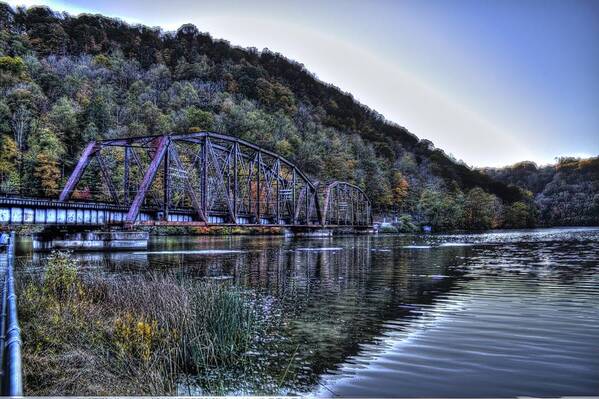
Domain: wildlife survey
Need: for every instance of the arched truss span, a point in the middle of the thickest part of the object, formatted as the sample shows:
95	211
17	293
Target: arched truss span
214	177
345	204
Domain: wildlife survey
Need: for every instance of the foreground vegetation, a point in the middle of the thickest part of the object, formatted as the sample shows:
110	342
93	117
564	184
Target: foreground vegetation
131	335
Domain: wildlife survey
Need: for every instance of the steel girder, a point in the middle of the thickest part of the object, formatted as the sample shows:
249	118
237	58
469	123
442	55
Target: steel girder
346	204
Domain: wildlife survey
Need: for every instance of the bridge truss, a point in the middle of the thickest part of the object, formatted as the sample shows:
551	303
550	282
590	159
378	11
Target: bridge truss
210	178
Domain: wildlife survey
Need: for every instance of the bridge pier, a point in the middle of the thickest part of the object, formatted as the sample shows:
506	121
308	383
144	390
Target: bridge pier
90	240
325	231
307	231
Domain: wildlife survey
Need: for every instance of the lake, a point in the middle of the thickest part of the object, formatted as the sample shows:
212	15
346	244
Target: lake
500	313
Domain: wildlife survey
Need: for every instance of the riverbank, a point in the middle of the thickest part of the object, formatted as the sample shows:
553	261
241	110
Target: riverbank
183	230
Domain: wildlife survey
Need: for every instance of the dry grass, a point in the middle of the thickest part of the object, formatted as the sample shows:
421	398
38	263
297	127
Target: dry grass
126	335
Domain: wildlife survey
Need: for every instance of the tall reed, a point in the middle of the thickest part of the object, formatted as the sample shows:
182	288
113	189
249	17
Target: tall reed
138	334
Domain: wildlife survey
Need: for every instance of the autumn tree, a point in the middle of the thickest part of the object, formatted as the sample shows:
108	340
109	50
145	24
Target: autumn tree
399	187
9	179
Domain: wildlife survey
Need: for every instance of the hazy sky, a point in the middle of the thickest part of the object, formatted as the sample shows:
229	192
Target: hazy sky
491	82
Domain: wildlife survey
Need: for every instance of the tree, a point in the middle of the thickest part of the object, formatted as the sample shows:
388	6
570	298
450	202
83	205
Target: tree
478	209
48	173
12	70
199	118
63	118
200	69
517	215
9	179
46	151
399	187
100	108
24	101
440	210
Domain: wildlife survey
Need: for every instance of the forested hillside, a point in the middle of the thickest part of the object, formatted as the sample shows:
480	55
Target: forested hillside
566	193
66	80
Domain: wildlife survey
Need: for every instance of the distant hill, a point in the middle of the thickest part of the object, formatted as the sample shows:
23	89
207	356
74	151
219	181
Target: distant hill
566	193
66	80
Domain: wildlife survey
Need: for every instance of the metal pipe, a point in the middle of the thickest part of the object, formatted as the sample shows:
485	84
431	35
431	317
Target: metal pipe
3	331
13	376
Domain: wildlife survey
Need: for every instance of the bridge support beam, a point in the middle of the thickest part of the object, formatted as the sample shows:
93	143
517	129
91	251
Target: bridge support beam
78	172
161	149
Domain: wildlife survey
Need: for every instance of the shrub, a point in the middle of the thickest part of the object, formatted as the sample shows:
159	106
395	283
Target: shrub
388	229
406	225
61	281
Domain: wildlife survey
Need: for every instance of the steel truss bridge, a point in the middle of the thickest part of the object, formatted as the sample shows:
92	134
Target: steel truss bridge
192	178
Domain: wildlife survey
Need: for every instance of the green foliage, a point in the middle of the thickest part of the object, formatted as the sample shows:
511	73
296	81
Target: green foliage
45	153
200	119
442	211
388	230
478	210
221	315
60	281
12	65
102	60
518	215
63	116
406	224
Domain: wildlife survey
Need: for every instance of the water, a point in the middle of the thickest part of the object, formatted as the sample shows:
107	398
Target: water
497	314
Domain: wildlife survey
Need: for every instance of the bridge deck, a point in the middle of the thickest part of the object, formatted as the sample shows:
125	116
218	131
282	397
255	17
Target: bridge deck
24	210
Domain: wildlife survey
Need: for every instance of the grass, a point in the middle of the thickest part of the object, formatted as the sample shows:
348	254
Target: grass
126	335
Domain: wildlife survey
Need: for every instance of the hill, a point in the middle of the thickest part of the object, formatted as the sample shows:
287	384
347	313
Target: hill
66	80
566	193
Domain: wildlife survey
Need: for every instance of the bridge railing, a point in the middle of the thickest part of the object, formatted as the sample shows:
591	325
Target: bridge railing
11	383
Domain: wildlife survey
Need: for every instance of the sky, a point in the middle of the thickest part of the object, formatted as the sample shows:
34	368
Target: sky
491	82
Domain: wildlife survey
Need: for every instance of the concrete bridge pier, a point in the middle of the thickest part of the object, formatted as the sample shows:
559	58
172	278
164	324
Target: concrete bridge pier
90	240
